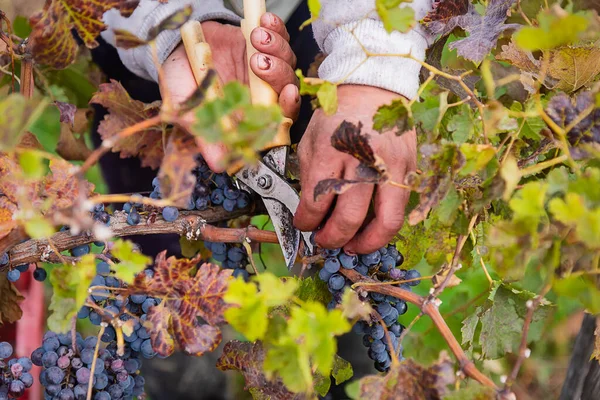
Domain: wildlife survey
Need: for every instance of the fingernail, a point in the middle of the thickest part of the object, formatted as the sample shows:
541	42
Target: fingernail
273	19
264	62
297	98
265	37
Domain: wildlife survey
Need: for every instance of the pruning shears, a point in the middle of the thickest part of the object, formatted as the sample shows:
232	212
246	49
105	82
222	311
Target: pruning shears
267	177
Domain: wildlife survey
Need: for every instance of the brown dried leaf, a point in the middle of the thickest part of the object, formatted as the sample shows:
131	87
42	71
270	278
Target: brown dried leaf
56	191
441	275
52	42
410	381
569	69
67	112
185	298
10	311
336	186
248	359
348	139
127	40
124	112
73	148
176	179
172	22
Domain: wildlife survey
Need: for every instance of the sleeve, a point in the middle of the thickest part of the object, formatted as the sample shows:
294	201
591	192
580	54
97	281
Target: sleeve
345	26
149	14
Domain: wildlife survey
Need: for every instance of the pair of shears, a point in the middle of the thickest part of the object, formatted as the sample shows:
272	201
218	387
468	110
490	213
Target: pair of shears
267	177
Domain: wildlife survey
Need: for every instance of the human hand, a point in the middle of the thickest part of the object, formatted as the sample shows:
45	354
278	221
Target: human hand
274	62
319	161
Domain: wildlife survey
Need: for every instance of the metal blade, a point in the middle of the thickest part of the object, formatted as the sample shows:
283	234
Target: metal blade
279	198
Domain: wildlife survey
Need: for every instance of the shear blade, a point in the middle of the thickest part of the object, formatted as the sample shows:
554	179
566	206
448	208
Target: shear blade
289	237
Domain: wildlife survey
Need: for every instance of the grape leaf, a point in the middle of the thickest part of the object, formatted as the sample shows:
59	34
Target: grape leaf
501	319
394	17
250	314
484	30
395	115
409	380
472	391
581	288
348	139
123	112
56	191
17	115
554	29
70	285
185	297
69	146
248	358
67	112
52	42
131	262
127	40
563	111
443	163
176	179
569	68
10	311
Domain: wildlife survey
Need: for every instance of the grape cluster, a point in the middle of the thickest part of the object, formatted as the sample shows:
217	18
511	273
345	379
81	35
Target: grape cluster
563	111
111	306
214	189
231	256
14	373
67	369
383	263
101	215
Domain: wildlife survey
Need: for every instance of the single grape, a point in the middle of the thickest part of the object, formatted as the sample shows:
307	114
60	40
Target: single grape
133	218
51	344
243	200
371	259
103	268
362	269
336	282
55	375
127	207
49	359
63	362
402	307
147	304
115	391
40	274
22	268
83	375
332	265
4	259
36	356
202	203
170	214
217	197
53	389
80	392
229	205
66	394
13	275
219	248
399	259
95	318
241	272
384	309
27	379
16	388
348	261
6	350
377	332
76	363
147	350
102	396
397	274
387	263
377	346
413	274
378	297
101	381
80	251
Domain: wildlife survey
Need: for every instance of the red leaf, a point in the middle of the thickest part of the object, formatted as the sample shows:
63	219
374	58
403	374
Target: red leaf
125	112
185	298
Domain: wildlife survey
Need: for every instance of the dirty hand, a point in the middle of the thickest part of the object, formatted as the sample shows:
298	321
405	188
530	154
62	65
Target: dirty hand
274	63
319	160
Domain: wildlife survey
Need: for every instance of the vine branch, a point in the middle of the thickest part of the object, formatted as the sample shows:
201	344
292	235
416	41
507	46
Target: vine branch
194	225
429	308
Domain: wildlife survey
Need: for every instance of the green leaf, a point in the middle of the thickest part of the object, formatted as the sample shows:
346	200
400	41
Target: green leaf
553	31
251	317
274	290
17	115
472	391
314	6
447	210
394	17
353	390
39	228
502	319
342	370
477	156
131	262
573	212
32	164
327	95
580	288
70	285
528	203
462	125
395	115
313	289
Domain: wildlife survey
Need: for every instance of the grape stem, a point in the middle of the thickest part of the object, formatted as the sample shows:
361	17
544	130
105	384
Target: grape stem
429	308
194	225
